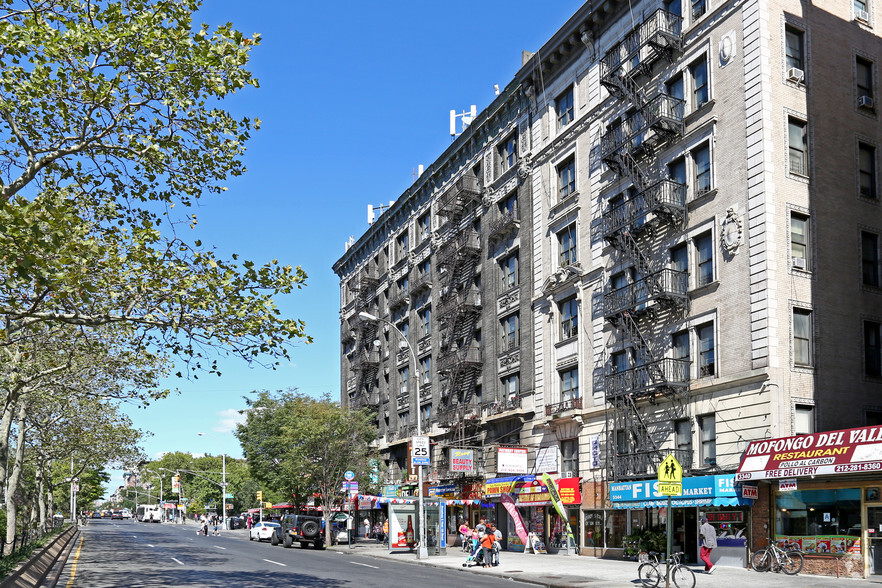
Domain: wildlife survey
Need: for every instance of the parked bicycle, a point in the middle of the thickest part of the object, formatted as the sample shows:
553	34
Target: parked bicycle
774	558
652	571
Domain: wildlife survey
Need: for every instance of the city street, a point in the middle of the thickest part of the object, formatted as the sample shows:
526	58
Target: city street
113	553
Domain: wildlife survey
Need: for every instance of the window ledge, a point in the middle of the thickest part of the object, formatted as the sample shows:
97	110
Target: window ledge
702	199
564	204
563	342
698	112
702	290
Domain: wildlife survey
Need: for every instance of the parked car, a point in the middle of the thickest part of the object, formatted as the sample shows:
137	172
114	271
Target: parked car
265	530
235	523
116	515
301	529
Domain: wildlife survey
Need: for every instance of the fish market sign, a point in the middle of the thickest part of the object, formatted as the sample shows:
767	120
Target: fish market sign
832	452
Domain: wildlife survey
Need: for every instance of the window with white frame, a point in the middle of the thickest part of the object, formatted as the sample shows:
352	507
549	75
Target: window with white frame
569	458
680	258
699	7
567	245
510	332
870	259
797	142
566	178
674	87
565	108
507	152
701	162
704	259
802	337
569	318
683	439
426	370
794	52
509	267
707	365
403	375
867	170
799	241
700	86
511	385
680	345
803	419
569	385
873	348
707	428
425	317
862	10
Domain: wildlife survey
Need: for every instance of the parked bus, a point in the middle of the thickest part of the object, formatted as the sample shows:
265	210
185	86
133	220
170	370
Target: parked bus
149	513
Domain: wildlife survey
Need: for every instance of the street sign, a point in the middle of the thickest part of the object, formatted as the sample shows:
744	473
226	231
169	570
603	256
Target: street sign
419	451
670	471
228	495
349	475
668	489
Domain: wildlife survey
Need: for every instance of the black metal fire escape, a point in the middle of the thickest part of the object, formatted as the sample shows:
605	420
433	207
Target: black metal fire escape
634	226
366	357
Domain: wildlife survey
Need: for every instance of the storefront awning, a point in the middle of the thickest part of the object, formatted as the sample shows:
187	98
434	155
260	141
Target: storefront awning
697	491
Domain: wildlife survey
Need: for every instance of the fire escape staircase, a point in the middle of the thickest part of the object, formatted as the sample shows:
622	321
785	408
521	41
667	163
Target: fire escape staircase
628	148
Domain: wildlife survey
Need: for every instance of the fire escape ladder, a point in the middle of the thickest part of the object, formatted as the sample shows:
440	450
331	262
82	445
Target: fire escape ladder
632	249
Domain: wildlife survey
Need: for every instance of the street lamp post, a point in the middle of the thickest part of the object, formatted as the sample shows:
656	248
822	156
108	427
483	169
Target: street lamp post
423	551
223	485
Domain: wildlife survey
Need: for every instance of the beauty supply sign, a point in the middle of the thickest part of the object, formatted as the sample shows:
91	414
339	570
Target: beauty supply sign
832	452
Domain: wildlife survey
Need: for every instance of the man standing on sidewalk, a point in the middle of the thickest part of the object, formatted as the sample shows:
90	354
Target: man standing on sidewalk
709	542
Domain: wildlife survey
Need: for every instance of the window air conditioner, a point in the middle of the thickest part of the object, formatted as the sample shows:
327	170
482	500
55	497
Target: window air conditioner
794	74
865	102
567	474
862	15
798	263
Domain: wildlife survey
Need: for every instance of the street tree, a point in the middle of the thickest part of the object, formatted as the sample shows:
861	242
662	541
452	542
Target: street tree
303	446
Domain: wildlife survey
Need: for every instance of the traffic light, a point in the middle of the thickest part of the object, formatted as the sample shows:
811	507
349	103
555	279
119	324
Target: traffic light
260	495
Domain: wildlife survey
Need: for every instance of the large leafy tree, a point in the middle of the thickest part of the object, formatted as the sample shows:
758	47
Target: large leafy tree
302	445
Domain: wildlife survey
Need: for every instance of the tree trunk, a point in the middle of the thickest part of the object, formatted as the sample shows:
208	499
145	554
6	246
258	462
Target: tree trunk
41	498
15	475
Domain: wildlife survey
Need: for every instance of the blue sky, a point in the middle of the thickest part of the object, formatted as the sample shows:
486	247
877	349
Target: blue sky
353	97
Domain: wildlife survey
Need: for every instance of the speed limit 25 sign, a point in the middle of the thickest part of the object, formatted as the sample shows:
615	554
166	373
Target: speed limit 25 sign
419	450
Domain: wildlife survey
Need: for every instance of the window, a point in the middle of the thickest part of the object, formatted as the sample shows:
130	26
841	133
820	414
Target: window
401	246
565	111
680	345
566	178
567	242
794	49
683	439
509	206
803	419
569	385
426	370
677	170
701	162
424	227
403	375
706	360
861	9
425	317
508	153
509	268
700	88
873	348
403	417
802	337
674	87
799	241
797	136
425	415
707	427
698	8
569	458
864	78
569	318
403	327
870	258
619	362
704	249
674	7
867	170
511	385
680	258
510	332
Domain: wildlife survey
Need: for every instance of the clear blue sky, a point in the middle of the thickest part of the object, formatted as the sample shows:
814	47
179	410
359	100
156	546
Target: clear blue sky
353	97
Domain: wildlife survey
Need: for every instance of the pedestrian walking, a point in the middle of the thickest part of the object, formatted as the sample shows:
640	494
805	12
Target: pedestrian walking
497	544
367	527
708	543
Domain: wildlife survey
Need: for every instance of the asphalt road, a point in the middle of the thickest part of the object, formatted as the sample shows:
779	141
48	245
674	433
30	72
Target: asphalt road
125	553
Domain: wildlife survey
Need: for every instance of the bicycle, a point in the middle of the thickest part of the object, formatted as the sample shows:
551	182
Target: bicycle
651	573
767	558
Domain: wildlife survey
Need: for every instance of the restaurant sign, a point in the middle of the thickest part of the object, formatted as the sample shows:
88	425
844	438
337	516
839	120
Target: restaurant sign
832	452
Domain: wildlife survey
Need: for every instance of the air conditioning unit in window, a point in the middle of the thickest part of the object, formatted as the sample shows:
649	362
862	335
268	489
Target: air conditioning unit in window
798	262
865	102
862	15
794	74
568	474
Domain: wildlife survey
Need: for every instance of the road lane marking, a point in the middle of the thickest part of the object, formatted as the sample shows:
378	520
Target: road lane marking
355	563
177	560
219	547
275	562
150	545
73	569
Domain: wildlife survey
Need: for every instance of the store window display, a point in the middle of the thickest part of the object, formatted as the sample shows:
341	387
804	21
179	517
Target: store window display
819	521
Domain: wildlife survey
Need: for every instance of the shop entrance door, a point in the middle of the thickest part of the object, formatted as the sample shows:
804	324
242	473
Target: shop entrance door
874	524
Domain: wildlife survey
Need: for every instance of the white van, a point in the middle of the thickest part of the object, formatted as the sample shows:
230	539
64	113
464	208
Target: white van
149	513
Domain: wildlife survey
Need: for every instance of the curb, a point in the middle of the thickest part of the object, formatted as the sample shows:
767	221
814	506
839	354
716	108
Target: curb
34	570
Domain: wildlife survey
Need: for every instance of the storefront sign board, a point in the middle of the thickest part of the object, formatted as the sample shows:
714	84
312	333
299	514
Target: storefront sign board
462	460
831	452
749	491
697	491
787	485
547	459
511	460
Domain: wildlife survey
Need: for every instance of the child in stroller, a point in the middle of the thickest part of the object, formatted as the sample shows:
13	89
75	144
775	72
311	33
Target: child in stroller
476	558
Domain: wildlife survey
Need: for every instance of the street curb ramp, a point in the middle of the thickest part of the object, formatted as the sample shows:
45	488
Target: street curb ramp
32	572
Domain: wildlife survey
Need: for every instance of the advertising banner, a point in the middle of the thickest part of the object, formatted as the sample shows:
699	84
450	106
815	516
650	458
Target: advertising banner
511	460
547	459
462	460
558	505
402	526
499	486
832	452
443	491
520	528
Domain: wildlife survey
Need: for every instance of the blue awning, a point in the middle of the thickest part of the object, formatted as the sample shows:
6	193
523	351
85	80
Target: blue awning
717	490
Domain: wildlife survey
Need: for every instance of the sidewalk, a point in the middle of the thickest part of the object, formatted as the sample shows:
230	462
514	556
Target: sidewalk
562	571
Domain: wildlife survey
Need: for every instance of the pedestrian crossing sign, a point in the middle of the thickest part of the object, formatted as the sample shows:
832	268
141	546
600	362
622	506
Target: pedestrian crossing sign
670	471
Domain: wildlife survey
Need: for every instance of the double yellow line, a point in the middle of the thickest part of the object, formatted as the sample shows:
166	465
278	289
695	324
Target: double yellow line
73	570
